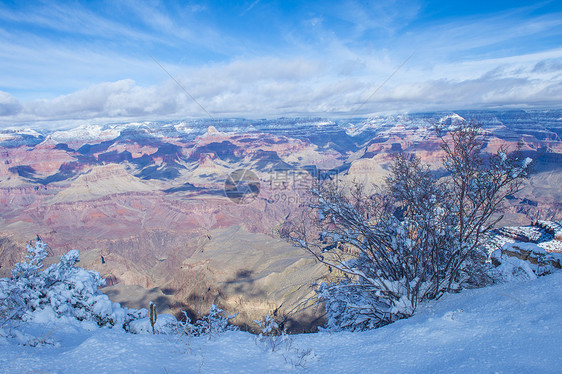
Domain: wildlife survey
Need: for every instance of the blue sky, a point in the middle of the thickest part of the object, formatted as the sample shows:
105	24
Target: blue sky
95	61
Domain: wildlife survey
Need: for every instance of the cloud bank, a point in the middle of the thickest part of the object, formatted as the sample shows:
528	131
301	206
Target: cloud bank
276	87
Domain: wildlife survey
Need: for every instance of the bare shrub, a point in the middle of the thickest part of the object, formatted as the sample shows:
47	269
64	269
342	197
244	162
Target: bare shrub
415	238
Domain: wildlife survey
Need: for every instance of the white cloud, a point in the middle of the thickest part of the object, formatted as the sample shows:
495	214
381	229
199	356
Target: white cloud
250	7
482	93
548	66
120	99
9	105
275	87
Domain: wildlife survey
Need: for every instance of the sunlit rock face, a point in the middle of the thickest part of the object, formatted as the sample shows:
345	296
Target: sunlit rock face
149	197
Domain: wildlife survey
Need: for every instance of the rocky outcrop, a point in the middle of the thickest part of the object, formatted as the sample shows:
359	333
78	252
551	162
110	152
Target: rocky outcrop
542	262
551	227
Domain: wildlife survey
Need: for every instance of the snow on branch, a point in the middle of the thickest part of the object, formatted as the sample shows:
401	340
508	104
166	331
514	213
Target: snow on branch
415	238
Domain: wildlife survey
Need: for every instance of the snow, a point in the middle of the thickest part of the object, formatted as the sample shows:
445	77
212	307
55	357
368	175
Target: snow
531	247
21	131
183	127
512	268
507	328
61	290
452	118
552	246
165	324
86	133
6	136
211	132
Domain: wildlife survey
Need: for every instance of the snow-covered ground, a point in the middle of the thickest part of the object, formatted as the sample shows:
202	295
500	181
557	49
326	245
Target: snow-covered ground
509	328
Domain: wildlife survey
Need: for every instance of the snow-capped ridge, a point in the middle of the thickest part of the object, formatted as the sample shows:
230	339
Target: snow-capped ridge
183	128
86	133
11	131
212	131
451	119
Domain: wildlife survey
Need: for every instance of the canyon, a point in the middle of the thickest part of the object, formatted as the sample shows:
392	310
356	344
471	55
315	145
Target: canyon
187	213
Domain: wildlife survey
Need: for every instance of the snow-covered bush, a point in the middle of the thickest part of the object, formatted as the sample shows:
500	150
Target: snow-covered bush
60	290
271	335
165	324
214	323
33	341
22	290
351	306
274	339
417	237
